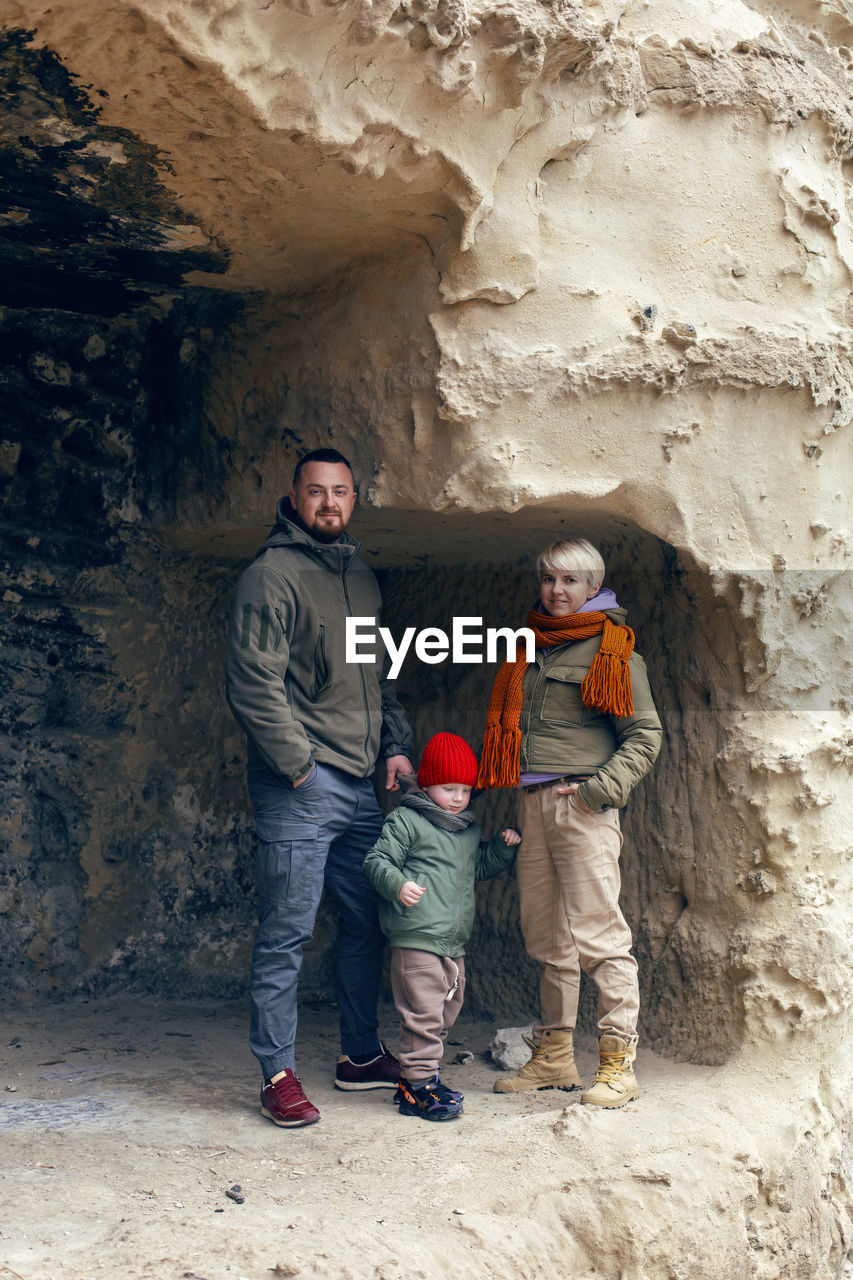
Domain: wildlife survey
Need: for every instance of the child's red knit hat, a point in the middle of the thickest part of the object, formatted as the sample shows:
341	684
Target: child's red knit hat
447	758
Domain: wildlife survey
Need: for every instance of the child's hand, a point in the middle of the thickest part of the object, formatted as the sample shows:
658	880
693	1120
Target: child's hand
510	836
410	893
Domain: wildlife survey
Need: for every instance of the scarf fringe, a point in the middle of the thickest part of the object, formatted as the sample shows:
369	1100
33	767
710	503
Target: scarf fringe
608	685
501	759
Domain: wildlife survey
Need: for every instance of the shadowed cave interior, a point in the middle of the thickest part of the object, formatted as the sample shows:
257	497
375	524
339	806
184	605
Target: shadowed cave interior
139	872
128	842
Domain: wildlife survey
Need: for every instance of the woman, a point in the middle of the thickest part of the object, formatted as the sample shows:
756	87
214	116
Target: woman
575	730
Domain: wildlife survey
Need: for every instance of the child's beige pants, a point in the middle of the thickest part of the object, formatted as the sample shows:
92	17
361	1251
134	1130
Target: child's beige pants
568	883
428	992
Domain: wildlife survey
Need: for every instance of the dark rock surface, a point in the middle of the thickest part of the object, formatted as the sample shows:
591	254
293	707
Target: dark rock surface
106	879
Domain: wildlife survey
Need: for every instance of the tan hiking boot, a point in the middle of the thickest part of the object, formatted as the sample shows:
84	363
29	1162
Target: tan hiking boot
552	1066
615	1082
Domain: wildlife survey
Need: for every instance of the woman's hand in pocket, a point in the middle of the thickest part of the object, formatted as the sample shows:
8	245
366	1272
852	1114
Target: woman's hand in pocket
572	790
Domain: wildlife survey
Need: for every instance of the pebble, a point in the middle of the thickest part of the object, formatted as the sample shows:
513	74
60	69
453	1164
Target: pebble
233	1193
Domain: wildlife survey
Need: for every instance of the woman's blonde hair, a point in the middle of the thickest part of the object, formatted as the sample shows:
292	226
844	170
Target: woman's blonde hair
573	555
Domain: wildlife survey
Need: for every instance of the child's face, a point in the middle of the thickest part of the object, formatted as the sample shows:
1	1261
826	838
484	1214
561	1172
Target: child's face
452	796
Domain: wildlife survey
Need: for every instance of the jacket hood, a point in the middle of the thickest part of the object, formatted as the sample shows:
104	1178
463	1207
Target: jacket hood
289	531
603	601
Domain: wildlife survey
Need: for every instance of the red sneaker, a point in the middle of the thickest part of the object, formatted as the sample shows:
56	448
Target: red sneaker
381	1072
285	1103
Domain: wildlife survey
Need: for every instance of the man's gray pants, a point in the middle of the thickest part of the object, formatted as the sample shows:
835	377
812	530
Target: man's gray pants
309	836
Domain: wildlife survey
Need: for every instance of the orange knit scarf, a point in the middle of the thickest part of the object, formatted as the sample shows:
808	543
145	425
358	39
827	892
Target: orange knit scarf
607	686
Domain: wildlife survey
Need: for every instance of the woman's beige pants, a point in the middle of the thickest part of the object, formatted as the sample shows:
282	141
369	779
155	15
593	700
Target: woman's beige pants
568	883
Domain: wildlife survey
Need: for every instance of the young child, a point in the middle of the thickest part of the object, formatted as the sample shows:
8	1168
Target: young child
424	865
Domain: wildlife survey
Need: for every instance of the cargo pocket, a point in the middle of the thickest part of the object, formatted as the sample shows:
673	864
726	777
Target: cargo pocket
562	702
289	862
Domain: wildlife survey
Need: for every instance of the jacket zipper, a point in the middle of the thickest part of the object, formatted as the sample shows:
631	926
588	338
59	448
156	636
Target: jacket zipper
458	906
321	680
540	669
360	668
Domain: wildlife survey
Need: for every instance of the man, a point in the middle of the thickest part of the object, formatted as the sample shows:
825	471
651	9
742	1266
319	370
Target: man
315	726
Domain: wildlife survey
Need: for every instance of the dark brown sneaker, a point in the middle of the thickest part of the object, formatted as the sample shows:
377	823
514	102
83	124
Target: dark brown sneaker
381	1072
285	1103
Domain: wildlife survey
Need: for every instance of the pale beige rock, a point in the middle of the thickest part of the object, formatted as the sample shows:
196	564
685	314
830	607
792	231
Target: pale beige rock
544	263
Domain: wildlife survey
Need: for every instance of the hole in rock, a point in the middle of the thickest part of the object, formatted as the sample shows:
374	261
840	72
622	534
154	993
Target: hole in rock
438	567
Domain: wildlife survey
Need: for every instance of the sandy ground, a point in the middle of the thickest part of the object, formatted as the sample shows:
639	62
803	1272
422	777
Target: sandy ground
124	1124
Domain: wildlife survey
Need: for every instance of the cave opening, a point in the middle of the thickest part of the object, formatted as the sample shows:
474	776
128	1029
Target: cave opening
142	768
669	821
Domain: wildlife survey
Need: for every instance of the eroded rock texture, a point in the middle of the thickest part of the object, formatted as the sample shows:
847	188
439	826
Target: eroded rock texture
534	266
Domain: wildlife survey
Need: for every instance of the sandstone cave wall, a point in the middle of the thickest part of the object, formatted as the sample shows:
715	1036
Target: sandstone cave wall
533	266
591	268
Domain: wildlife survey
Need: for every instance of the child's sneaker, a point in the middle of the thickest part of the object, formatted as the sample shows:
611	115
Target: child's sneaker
430	1100
445	1094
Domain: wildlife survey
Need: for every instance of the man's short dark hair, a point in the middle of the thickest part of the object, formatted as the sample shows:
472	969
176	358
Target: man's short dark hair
322	455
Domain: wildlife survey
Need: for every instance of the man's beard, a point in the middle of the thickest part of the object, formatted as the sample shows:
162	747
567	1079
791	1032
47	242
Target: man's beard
321	534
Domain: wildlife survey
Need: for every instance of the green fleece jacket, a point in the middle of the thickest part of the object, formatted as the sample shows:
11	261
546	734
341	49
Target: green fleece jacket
287	679
560	735
446	863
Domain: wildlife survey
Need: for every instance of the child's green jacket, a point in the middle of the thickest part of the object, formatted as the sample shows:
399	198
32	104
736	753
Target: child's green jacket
446	863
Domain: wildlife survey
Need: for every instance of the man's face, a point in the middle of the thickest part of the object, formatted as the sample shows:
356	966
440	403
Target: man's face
323	498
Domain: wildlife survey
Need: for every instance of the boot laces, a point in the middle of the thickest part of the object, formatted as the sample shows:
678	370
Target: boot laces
610	1066
537	1051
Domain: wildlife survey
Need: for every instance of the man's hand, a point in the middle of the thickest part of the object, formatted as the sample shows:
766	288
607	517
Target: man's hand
509	835
393	766
297	782
572	790
410	893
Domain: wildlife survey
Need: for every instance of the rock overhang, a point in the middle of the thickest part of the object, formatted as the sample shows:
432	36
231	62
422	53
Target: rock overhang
587	269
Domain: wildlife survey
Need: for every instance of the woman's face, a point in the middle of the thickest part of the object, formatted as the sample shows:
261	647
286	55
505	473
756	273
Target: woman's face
563	592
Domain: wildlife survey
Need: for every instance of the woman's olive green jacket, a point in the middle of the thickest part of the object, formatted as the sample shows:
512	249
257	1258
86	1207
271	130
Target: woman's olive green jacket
560	735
